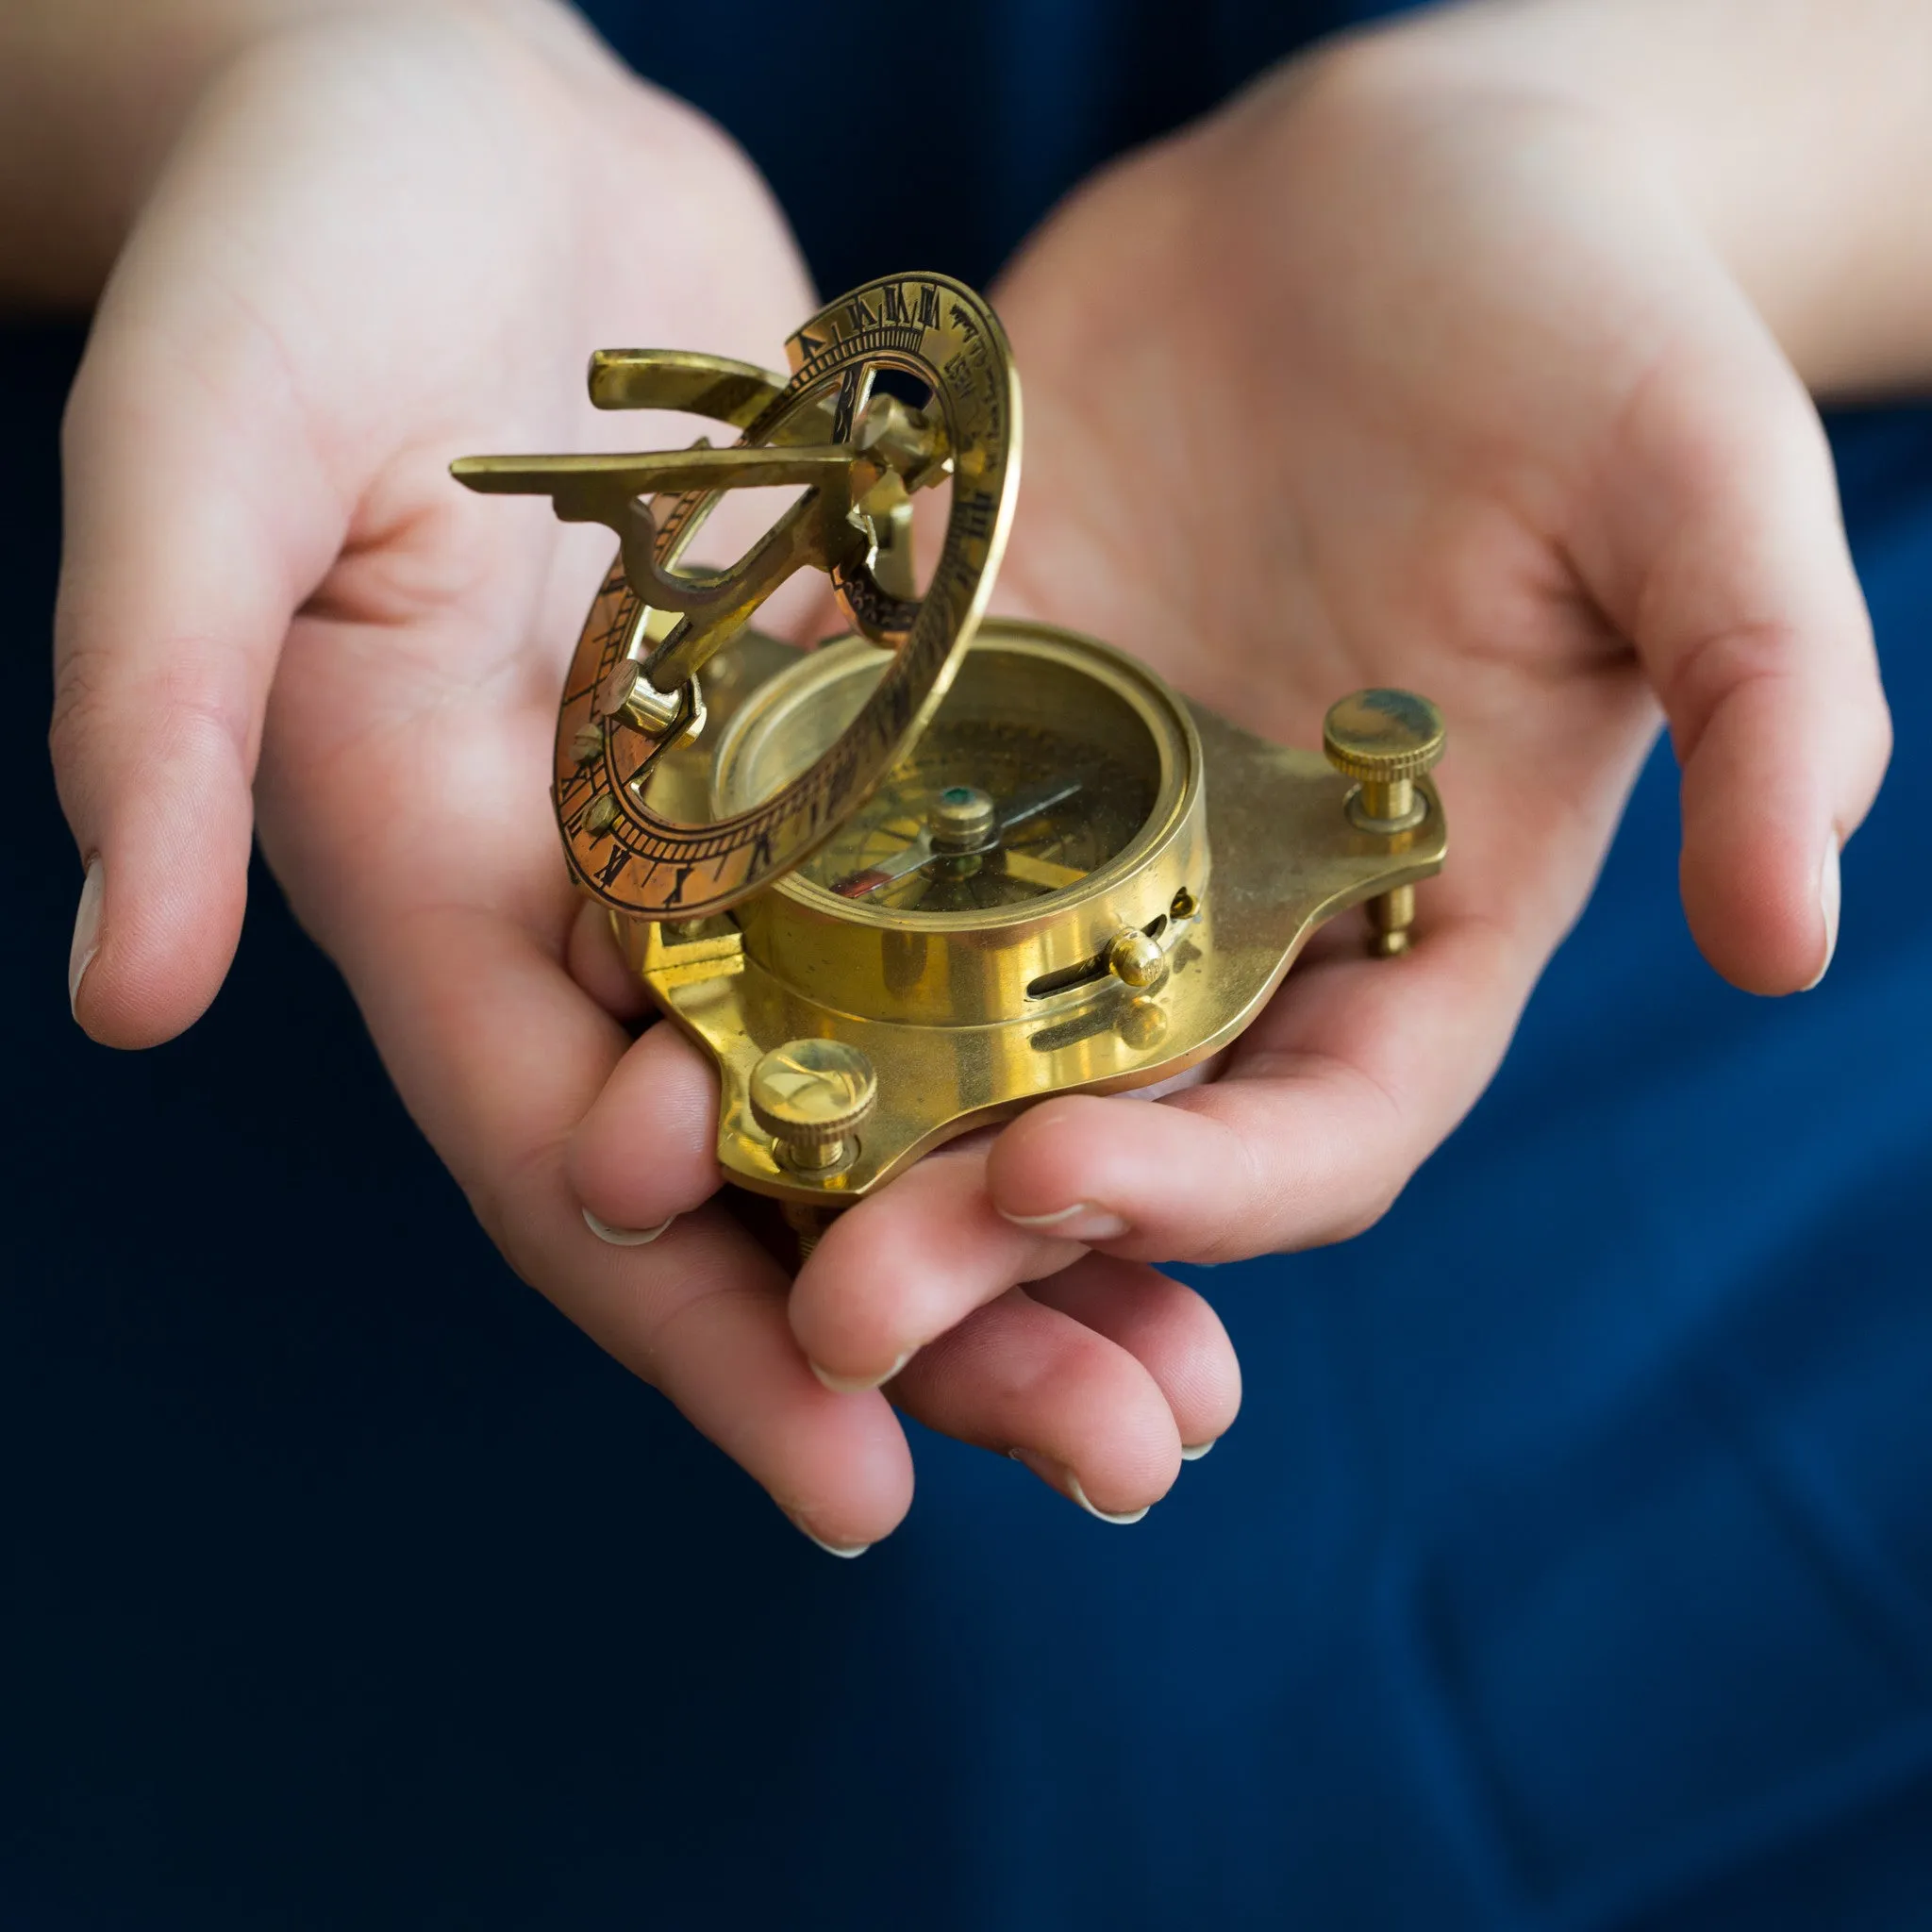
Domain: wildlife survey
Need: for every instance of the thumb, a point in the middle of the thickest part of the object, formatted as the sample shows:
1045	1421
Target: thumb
1726	562
196	521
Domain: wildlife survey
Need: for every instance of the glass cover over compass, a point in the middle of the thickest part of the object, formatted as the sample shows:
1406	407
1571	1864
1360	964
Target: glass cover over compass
1033	774
921	876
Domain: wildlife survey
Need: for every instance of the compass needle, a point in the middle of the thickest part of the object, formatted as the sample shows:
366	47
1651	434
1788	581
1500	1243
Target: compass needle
922	849
1021	810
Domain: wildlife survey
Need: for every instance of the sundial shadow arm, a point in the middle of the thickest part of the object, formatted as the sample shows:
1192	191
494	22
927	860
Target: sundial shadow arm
680	379
609	490
1177	879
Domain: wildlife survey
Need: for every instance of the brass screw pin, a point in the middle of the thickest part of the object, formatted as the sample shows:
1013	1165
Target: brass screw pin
1135	959
811	1096
963	820
1384	740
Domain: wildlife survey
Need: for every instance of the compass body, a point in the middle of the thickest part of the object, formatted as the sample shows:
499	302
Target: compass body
943	866
1117	936
1055	796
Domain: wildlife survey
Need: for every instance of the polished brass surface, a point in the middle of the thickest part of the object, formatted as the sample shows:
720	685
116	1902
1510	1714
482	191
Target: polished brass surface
1106	841
943	1004
811	1096
627	694
1390	916
943	866
1385	740
1135	959
837	431
696	385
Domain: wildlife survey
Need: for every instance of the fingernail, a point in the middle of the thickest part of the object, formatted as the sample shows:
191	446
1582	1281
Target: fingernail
1055	1476
1078	1222
853	1385
1828	893
87	931
830	1549
624	1237
1192	1452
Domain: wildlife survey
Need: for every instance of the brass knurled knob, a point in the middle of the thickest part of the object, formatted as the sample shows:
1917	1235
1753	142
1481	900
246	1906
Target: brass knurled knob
811	1096
1385	740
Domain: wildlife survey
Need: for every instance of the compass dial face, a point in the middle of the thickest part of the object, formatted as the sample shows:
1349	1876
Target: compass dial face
1046	835
942	340
1031	777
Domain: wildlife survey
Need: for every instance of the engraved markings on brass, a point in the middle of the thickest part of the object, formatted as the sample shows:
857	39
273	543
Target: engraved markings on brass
933	871
858	448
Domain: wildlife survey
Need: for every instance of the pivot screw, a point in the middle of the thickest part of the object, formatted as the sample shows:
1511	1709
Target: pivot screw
962	819
1384	740
811	1096
627	694
907	440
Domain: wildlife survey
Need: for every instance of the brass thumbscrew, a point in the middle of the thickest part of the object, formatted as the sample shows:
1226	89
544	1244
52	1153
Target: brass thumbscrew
812	1097
1384	740
1135	959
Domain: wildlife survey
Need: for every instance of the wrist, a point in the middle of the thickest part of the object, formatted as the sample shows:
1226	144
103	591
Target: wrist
1792	139
95	95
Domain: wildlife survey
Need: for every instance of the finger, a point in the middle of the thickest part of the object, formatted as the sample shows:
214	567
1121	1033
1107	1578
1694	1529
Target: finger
1168	1328
196	521
647	1147
1352	1076
598	965
1028	1381
498	1063
699	1313
1718	549
903	1266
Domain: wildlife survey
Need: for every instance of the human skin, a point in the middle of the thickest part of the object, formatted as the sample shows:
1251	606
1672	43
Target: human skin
1462	356
379	239
1482	359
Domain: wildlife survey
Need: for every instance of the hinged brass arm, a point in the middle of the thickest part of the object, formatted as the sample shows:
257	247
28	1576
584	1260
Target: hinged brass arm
694	385
609	490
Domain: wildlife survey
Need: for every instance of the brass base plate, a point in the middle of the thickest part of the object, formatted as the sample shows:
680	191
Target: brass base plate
1286	858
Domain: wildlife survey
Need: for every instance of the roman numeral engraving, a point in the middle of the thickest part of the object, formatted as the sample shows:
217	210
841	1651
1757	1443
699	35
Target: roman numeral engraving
847	410
973	514
629	855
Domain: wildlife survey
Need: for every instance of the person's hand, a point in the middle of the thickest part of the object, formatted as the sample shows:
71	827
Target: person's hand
1385	376
383	242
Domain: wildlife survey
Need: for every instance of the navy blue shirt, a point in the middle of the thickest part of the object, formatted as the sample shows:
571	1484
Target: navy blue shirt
1040	92
1570	1564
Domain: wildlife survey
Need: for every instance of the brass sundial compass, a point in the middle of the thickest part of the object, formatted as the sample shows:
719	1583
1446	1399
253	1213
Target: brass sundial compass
942	867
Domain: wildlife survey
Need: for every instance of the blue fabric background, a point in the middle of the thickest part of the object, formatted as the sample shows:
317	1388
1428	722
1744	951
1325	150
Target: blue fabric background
1570	1567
